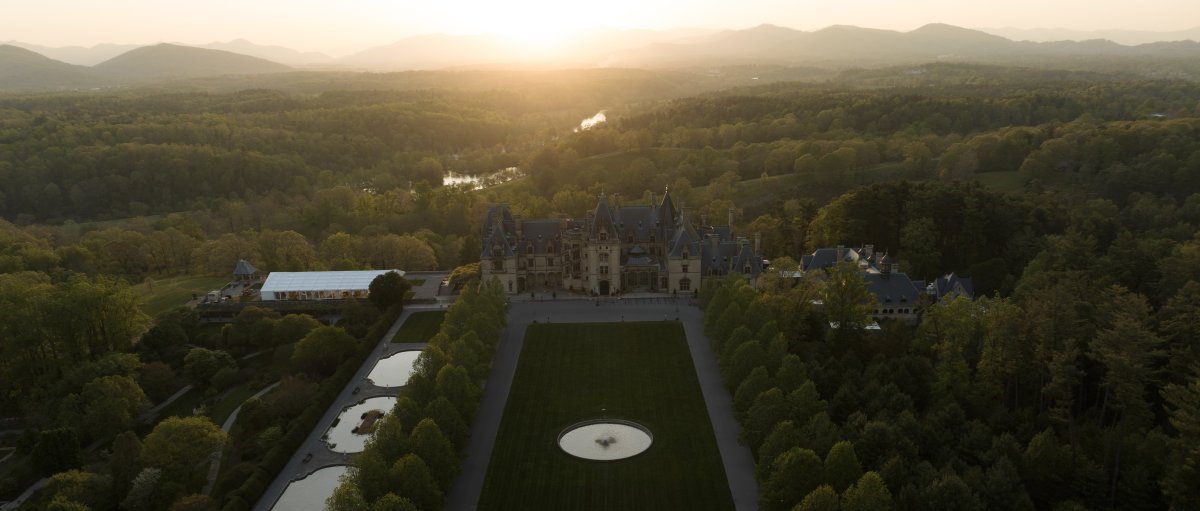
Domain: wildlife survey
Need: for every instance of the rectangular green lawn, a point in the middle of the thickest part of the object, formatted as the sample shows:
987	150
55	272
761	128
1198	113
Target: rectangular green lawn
420	326
641	372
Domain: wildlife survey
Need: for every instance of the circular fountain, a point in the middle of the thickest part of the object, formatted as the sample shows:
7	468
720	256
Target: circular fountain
605	439
394	370
309	494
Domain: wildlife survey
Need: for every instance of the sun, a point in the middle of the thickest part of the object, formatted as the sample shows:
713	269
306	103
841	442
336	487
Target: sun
535	23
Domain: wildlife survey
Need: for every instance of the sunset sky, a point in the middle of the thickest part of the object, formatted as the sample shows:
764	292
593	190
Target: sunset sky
349	25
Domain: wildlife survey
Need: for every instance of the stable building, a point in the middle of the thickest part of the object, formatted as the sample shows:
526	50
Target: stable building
319	285
897	297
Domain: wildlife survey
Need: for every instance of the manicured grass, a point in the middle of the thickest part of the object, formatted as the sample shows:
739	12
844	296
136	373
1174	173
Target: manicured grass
420	326
641	372
1007	181
165	294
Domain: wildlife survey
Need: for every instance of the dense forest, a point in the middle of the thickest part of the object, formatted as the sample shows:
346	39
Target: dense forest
1071	198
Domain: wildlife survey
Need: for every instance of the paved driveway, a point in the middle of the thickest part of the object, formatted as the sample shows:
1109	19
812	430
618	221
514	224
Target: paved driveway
739	464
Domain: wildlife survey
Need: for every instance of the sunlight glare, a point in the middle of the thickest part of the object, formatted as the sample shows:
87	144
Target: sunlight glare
536	23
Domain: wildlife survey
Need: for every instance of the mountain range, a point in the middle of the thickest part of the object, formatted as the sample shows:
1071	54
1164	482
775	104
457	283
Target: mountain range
1128	37
24	67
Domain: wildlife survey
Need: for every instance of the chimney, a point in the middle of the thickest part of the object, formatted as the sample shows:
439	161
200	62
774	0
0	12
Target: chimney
652	203
758	243
730	224
868	250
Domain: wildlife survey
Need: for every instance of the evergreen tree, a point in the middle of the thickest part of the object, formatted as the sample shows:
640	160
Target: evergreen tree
433	447
841	466
1183	465
415	482
794	474
749	389
821	499
784	436
868	494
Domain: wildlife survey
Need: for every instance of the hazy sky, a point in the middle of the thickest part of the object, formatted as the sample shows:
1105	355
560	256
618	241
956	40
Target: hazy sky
343	26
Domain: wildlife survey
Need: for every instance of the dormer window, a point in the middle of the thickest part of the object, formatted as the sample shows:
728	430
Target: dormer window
651	237
529	248
496	250
746	269
603	235
550	248
685	255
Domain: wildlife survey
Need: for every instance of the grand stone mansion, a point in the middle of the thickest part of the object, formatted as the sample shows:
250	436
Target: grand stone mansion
616	249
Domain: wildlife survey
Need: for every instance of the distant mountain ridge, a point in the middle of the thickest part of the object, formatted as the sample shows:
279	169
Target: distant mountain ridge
1125	37
831	47
22	69
78	55
280	54
856	45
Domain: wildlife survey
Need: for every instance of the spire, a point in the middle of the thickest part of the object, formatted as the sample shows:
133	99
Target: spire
666	209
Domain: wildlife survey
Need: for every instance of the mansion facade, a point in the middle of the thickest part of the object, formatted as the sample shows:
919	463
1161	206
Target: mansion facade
616	249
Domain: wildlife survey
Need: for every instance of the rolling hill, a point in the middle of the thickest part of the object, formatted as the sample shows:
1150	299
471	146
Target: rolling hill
163	61
21	69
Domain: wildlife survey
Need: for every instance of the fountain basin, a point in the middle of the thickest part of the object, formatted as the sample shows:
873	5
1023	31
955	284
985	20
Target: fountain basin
605	439
310	493
394	370
346	435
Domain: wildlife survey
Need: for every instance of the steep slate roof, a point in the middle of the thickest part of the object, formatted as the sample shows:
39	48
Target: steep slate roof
820	258
495	232
894	289
542	234
637	220
725	256
685	237
951	283
244	268
666	210
602	217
